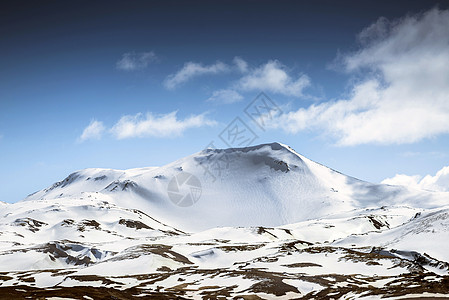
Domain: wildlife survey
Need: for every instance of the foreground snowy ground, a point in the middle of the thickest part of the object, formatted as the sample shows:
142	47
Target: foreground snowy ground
269	224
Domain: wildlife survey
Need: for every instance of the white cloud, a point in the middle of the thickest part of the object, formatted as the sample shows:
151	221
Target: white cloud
241	64
405	180
191	70
93	131
274	77
132	61
225	97
406	96
165	125
439	182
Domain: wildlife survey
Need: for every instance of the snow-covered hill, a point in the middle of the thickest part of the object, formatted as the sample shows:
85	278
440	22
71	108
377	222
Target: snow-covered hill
265	185
260	222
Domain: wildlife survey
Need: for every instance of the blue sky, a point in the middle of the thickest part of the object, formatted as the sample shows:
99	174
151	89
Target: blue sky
361	86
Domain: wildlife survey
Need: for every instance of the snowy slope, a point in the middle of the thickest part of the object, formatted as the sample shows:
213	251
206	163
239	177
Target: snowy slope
427	232
270	224
268	185
88	247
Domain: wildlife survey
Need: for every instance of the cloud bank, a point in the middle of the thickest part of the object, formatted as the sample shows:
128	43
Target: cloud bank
439	182
404	94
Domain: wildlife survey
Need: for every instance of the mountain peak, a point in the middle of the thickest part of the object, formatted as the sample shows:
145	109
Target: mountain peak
274	146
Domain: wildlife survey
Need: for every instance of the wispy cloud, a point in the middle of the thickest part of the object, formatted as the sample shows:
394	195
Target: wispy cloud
439	182
225	97
405	97
191	70
93	131
274	77
426	154
241	64
132	61
150	125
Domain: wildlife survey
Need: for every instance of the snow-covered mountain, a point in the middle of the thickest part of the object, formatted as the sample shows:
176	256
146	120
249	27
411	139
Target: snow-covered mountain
265	185
261	221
